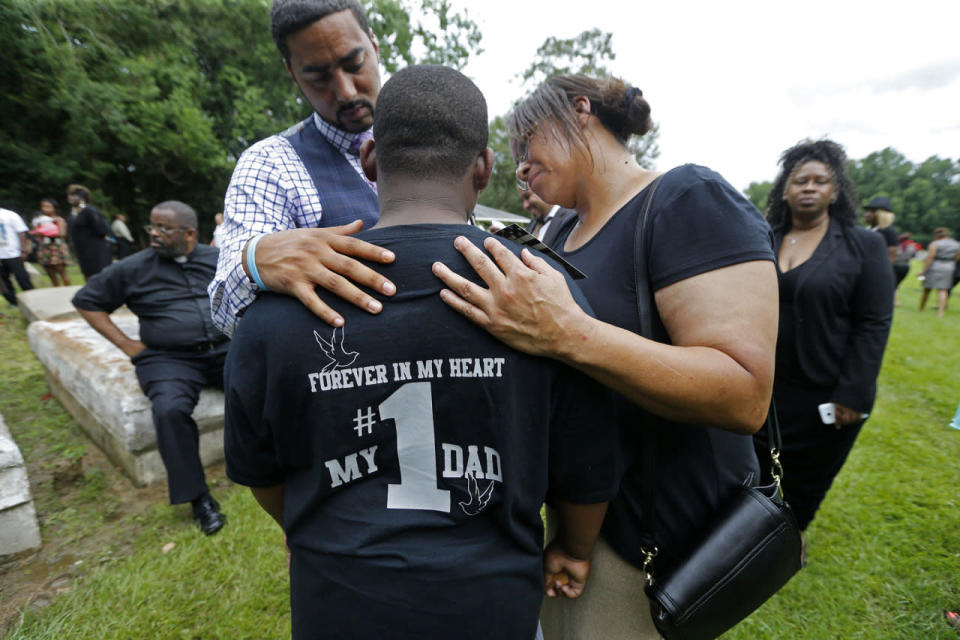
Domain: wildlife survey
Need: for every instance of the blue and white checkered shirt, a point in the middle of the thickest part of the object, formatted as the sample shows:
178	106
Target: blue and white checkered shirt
270	190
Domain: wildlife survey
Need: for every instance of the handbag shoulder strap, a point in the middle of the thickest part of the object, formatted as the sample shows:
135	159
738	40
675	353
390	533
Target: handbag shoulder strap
775	444
645	305
640	276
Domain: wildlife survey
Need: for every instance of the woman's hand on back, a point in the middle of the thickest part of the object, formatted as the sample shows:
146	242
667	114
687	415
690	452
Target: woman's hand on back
526	304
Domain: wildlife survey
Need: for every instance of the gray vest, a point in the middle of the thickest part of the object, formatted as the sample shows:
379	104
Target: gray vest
344	195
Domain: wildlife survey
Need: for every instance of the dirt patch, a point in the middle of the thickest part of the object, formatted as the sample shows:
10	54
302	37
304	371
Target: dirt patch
67	473
63	498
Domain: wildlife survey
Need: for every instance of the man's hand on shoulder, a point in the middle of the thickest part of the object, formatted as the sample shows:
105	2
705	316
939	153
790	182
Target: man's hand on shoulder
295	261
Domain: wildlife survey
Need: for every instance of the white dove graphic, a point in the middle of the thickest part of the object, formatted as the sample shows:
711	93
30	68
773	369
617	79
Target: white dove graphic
339	358
478	501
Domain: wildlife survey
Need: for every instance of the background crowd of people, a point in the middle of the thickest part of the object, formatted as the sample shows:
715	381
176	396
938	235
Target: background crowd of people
86	238
54	242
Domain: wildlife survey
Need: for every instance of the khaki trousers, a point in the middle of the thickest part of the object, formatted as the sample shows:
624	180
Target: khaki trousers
613	605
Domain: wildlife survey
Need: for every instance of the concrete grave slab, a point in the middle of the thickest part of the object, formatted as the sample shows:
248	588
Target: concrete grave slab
18	517
36	277
96	383
52	304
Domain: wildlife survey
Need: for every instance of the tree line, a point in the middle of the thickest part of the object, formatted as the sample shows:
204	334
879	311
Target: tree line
151	100
588	53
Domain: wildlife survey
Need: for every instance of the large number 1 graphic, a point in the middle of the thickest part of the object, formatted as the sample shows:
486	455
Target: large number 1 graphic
411	408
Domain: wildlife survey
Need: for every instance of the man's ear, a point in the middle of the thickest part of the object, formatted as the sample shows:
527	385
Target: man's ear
482	169
368	159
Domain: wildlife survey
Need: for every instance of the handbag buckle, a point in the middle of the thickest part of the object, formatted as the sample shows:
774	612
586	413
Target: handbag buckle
776	470
647	569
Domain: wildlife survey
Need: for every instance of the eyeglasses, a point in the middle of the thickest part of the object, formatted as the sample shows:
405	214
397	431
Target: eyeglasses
522	150
521	183
162	230
521	158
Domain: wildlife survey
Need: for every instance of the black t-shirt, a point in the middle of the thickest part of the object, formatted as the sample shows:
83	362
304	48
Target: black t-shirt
89	231
698	223
890	235
415	451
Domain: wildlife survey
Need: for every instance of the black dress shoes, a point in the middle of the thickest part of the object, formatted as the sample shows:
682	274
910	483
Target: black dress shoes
206	513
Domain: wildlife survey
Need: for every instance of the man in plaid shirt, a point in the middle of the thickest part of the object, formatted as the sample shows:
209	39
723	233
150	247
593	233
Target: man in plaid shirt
295	198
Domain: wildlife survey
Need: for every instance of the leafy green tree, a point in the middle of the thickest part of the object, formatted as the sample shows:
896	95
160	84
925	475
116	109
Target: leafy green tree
881	172
588	53
758	192
140	101
444	36
923	196
145	101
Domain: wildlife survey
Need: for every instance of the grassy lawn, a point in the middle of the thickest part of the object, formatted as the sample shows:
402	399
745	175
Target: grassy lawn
884	551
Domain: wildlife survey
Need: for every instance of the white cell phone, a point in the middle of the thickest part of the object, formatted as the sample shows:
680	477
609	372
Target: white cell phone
828	413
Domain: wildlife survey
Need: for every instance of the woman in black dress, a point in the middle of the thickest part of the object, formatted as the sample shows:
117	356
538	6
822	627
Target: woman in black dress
88	231
836	302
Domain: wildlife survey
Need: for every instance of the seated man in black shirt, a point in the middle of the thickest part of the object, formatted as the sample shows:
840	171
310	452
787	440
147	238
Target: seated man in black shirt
179	350
406	455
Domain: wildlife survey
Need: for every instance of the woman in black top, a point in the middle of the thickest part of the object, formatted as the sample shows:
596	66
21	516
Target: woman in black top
88	231
836	301
701	383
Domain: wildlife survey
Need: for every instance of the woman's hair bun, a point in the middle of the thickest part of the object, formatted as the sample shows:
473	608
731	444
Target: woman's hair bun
636	112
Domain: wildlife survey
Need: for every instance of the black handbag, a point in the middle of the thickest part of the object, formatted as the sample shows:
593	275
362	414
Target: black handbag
747	552
744	556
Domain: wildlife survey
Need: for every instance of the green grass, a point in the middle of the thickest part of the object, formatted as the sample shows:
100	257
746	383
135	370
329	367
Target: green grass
884	550
231	585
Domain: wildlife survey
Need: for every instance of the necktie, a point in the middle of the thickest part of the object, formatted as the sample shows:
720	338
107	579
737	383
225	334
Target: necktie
539	224
362	137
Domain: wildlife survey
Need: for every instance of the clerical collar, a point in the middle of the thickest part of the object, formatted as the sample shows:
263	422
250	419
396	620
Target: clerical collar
180	259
